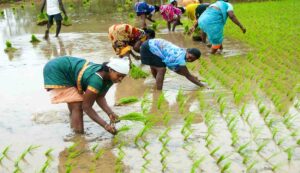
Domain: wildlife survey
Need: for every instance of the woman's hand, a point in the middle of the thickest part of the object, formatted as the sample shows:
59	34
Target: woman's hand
113	117
110	128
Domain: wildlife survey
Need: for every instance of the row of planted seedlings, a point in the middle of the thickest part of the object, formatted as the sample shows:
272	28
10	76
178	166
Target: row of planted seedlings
289	149
190	145
23	163
231	121
275	98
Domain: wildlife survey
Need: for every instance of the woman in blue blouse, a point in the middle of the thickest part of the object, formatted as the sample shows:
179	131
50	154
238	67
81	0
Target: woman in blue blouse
160	53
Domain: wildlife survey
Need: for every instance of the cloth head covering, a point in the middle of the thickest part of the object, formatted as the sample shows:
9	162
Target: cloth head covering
124	50
173	1
194	51
119	65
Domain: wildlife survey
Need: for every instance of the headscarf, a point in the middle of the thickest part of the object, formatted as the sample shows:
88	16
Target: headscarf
119	65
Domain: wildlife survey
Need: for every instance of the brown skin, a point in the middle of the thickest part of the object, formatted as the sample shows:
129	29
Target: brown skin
89	98
144	17
58	22
159	73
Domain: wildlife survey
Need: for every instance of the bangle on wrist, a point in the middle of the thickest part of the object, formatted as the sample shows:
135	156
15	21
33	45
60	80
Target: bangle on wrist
105	127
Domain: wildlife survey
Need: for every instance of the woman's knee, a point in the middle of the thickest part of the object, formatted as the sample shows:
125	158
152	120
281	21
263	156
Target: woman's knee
76	106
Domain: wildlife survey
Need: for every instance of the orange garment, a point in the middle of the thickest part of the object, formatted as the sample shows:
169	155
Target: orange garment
65	95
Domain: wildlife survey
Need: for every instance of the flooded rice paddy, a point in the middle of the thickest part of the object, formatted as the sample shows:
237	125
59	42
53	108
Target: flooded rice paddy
193	129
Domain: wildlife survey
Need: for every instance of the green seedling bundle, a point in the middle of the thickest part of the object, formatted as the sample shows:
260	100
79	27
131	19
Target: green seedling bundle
137	73
34	39
127	100
42	19
9	48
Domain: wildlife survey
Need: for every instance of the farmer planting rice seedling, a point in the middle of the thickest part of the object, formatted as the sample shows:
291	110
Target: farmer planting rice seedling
80	84
159	54
213	20
145	11
248	121
124	37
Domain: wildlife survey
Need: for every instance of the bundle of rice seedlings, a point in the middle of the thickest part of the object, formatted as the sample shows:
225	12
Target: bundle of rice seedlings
154	26
9	47
42	19
136	72
67	21
2	13
134	116
127	100
34	39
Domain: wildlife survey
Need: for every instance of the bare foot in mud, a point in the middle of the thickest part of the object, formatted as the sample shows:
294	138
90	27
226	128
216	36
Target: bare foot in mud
46	35
208	45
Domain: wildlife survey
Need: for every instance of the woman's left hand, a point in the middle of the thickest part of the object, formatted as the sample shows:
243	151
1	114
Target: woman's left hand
113	117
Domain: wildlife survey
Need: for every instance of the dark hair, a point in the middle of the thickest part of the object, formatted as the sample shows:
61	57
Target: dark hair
182	9
150	32
104	67
174	3
194	51
156	7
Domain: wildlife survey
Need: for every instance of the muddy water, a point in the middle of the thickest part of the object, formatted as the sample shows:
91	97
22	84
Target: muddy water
28	118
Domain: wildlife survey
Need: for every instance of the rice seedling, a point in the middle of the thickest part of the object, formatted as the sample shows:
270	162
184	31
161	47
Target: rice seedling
148	125
121	154
2	13
69	167
262	145
34	39
298	141
166	118
251	166
290	152
161	99
275	167
72	147
196	164
9	47
186	130
146	103
42	19
5	151
137	73
215	150
94	147
66	21
134	116
222	158
222	107
22	7
127	100
226	167
48	152
98	154
243	147
45	166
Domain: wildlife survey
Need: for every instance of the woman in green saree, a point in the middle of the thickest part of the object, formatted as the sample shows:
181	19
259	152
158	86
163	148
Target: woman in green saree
80	84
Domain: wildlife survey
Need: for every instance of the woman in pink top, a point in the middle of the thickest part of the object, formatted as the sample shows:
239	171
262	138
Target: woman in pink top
171	14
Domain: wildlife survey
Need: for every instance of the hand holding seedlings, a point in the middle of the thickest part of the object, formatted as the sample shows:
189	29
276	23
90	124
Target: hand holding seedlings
113	117
110	128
